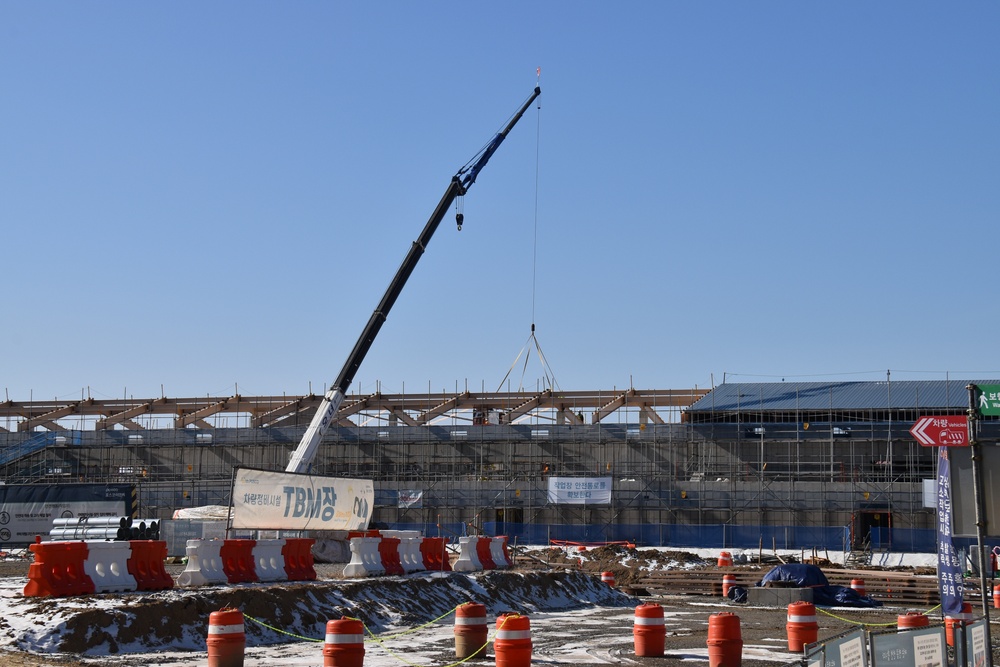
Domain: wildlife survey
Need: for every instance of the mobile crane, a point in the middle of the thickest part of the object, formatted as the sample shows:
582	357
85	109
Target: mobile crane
304	454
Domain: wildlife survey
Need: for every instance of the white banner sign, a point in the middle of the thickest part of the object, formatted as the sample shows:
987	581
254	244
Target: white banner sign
412	498
288	501
580	490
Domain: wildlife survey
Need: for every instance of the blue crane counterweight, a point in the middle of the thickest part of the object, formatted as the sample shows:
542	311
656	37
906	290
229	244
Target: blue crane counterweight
304	454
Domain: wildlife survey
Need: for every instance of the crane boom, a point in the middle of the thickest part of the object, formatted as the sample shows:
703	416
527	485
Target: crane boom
304	454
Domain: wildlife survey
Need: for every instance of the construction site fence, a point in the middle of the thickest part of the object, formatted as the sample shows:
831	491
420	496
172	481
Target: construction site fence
722	536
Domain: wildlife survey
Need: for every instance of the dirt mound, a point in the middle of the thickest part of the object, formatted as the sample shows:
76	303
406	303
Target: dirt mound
177	619
627	563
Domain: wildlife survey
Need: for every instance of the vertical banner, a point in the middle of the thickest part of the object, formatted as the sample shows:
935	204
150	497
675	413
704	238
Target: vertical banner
949	566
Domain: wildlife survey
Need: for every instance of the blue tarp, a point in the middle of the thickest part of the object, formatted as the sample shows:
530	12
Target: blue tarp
810	576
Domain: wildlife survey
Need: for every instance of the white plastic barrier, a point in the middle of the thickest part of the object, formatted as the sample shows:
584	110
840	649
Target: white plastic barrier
497	553
204	566
268	560
107	566
410	556
401	534
468	559
365	558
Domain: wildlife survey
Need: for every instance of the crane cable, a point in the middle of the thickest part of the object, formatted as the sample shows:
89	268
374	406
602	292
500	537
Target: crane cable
549	375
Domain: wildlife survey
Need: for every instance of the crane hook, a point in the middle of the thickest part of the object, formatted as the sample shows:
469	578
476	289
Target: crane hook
458	220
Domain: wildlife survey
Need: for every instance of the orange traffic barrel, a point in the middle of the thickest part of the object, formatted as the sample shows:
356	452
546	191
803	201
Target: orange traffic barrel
512	641
912	619
608	578
470	630
996	597
226	639
344	645
725	640
648	631
728	581
950	622
725	559
801	626
859	586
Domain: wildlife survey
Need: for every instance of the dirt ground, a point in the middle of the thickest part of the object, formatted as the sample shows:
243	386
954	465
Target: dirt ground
759	626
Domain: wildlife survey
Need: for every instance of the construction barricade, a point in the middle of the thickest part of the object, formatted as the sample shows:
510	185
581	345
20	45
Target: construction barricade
366	560
146	565
204	566
498	551
213	562
468	555
237	561
58	570
269	564
299	563
107	566
388	550
409	554
435	554
65	568
484	550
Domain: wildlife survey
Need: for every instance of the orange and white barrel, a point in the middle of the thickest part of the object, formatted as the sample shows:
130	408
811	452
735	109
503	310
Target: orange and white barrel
728	581
802	627
344	645
725	640
858	585
226	638
996	597
608	578
512	641
649	632
912	619
725	559
471	630
961	619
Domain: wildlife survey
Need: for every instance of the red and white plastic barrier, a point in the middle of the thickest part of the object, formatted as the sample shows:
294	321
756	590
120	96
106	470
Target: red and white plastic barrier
213	562
97	566
501	556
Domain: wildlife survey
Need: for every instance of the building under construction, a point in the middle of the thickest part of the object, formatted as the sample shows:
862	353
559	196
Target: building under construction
791	465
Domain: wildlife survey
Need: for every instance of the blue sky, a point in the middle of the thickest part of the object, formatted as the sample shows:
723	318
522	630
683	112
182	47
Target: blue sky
211	196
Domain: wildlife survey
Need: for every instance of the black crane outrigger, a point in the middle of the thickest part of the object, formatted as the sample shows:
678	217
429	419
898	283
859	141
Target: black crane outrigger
304	454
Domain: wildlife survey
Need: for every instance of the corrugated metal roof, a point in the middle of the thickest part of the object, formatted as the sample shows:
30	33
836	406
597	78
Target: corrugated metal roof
774	396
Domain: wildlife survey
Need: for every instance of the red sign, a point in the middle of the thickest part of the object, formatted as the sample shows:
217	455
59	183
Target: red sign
944	431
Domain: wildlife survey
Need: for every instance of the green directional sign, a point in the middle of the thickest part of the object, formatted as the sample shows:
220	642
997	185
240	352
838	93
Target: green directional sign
988	399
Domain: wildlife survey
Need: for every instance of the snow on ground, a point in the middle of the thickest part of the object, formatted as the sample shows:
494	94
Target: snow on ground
585	623
886	559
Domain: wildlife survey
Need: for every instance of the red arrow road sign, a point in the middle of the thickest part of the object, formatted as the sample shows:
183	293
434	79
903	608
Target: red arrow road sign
944	431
